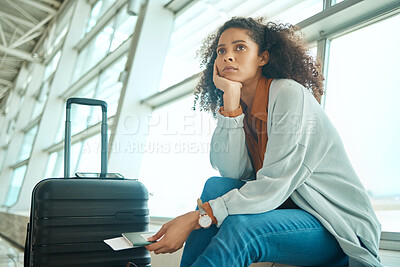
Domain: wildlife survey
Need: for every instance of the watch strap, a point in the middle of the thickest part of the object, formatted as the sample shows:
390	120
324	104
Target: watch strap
200	206
206	206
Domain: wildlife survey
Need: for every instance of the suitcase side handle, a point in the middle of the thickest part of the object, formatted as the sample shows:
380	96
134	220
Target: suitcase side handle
104	130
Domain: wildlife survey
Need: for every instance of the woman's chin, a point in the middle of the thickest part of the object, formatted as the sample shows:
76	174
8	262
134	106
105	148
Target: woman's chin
232	77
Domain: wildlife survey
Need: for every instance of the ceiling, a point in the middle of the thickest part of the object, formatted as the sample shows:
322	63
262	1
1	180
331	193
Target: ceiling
23	26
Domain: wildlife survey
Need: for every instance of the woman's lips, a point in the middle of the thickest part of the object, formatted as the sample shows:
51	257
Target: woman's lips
229	69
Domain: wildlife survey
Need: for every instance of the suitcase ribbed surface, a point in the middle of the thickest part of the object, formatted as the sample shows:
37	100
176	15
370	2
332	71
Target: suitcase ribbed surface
70	218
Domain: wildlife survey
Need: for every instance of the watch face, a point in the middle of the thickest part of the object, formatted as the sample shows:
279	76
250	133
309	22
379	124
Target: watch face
205	221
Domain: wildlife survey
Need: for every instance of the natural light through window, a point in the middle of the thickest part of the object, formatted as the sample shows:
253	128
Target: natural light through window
176	160
362	101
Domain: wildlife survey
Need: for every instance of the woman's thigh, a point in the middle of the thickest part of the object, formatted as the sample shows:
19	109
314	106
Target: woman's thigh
290	236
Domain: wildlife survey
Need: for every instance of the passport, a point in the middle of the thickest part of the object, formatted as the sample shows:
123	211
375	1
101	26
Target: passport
130	240
138	239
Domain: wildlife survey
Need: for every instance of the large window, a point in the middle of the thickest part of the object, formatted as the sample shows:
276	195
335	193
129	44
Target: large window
94	51
362	101
15	187
107	87
175	157
24	89
98	10
43	93
52	66
55	165
85	154
57	32
10	131
124	27
112	35
85	157
3	154
83	113
202	18
27	144
334	2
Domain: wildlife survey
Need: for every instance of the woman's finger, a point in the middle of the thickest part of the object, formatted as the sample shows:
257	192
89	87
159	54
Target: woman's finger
158	247
217	79
165	249
151	247
155	246
158	235
215	69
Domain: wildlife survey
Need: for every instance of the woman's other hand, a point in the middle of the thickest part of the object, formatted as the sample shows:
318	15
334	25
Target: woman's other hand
174	233
230	88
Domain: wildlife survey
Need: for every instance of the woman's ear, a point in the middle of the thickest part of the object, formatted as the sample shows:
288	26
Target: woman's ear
264	58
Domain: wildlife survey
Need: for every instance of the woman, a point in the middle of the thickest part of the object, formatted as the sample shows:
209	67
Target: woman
288	193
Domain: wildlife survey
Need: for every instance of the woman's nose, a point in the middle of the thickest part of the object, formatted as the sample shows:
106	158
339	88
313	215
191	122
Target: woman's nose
228	58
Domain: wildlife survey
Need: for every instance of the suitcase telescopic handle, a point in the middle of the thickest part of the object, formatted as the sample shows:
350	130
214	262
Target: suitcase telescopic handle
67	141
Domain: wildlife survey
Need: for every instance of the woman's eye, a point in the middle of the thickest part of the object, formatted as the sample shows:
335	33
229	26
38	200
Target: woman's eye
240	47
221	51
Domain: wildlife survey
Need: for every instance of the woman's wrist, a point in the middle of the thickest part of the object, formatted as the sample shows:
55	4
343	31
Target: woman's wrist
195	221
231	99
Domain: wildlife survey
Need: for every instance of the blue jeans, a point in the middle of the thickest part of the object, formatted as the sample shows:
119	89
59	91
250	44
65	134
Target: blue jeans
288	236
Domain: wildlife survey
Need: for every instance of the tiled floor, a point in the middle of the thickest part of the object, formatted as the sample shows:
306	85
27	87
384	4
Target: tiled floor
10	256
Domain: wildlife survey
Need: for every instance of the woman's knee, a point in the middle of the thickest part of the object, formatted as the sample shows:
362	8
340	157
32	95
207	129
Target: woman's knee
218	186
210	190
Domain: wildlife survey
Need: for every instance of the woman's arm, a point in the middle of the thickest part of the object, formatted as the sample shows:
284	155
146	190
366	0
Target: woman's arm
283	169
228	151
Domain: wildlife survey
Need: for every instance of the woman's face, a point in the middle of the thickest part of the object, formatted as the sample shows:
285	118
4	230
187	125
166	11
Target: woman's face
237	56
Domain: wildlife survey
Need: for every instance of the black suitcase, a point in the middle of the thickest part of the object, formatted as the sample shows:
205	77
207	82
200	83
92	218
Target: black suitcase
71	217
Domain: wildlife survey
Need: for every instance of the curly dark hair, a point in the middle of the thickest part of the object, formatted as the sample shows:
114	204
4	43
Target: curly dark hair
288	59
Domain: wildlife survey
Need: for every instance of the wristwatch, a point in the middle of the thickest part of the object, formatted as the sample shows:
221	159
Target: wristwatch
204	220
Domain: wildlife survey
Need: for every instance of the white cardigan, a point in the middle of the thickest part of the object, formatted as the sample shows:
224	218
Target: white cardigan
305	160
